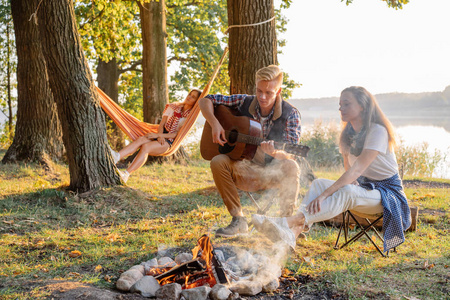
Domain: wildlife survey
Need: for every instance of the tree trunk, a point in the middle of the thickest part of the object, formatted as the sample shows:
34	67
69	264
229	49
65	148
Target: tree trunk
154	60
38	132
8	75
251	48
83	123
107	78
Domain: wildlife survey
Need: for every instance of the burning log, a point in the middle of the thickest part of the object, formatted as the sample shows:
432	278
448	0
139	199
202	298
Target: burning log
203	269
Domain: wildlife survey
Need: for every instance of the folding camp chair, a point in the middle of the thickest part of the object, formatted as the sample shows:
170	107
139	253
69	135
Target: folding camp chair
362	229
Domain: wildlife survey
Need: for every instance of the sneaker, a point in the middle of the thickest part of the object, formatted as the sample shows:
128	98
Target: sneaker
115	155
276	229
124	175
237	226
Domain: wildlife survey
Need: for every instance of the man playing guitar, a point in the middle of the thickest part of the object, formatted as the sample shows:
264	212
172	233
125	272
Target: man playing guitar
270	168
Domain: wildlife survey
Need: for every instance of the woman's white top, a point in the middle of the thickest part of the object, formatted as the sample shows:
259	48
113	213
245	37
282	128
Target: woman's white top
385	164
169	113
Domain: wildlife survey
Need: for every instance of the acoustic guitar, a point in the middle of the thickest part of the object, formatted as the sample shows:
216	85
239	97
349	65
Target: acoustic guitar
243	136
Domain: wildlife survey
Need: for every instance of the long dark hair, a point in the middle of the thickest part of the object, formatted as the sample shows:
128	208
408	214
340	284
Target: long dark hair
351	142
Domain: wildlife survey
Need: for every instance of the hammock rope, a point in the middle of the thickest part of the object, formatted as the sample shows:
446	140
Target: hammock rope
248	25
135	128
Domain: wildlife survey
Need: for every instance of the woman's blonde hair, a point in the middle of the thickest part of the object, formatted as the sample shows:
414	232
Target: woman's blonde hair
372	113
269	73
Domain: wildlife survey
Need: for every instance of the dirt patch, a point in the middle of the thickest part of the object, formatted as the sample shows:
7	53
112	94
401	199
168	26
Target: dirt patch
69	290
290	288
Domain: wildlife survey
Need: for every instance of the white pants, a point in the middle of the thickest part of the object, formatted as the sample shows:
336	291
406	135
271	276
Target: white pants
349	197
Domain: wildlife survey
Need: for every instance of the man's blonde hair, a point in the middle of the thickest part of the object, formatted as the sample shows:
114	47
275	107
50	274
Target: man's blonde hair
269	73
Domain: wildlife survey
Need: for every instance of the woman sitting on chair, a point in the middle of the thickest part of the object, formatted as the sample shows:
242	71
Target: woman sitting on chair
157	143
370	183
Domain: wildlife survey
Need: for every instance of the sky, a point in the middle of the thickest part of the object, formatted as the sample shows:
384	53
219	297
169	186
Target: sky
331	46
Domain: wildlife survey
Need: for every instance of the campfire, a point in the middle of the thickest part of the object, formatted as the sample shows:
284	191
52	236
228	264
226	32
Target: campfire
244	272
203	269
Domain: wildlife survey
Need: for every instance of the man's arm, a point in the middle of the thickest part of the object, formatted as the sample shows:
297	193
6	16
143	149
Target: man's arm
218	133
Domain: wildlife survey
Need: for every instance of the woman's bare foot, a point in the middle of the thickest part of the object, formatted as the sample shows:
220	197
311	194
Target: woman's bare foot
297	224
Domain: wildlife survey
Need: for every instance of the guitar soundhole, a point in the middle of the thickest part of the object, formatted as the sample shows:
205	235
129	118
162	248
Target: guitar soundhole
233	136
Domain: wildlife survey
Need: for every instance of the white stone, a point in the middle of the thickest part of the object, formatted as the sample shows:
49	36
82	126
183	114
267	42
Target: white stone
219	292
271	286
247	288
127	279
146	286
171	291
183	257
166	262
198	293
140	268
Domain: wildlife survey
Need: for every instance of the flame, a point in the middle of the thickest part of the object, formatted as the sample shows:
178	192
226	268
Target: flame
204	246
202	274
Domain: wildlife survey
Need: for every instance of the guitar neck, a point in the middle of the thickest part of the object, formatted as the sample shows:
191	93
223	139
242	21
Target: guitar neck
254	140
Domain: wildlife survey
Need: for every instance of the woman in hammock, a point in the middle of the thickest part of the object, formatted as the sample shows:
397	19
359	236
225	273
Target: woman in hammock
370	184
157	143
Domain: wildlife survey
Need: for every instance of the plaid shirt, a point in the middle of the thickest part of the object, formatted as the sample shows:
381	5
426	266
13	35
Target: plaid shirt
292	130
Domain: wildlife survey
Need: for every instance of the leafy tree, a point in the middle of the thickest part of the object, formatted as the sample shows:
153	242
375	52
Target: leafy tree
37	134
7	70
109	31
83	124
154	59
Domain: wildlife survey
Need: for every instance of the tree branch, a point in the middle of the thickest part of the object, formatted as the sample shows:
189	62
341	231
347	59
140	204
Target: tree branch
133	67
180	59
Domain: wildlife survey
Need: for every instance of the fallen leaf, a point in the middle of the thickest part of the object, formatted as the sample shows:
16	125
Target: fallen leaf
286	272
9	222
98	268
75	253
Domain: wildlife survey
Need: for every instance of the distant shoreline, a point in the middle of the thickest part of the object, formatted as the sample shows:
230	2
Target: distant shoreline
425	109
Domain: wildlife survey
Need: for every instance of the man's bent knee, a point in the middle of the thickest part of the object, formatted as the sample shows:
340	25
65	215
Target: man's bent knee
219	161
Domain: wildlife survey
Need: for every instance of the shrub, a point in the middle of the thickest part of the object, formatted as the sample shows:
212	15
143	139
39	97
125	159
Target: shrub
418	160
323	141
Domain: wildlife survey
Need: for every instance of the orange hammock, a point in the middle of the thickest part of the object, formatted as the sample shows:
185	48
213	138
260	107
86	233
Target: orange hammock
135	128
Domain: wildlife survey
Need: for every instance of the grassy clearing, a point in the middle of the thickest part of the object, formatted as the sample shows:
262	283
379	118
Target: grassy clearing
48	233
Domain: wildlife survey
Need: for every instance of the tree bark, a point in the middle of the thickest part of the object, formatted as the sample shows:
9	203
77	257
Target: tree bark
38	132
8	75
108	78
251	48
83	123
154	60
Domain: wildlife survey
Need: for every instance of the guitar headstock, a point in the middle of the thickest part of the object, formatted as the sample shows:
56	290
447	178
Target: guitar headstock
299	150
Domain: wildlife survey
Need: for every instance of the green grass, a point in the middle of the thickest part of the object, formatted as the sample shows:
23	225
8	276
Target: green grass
48	233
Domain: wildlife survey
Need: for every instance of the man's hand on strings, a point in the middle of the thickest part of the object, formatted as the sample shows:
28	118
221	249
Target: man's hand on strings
218	135
268	147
